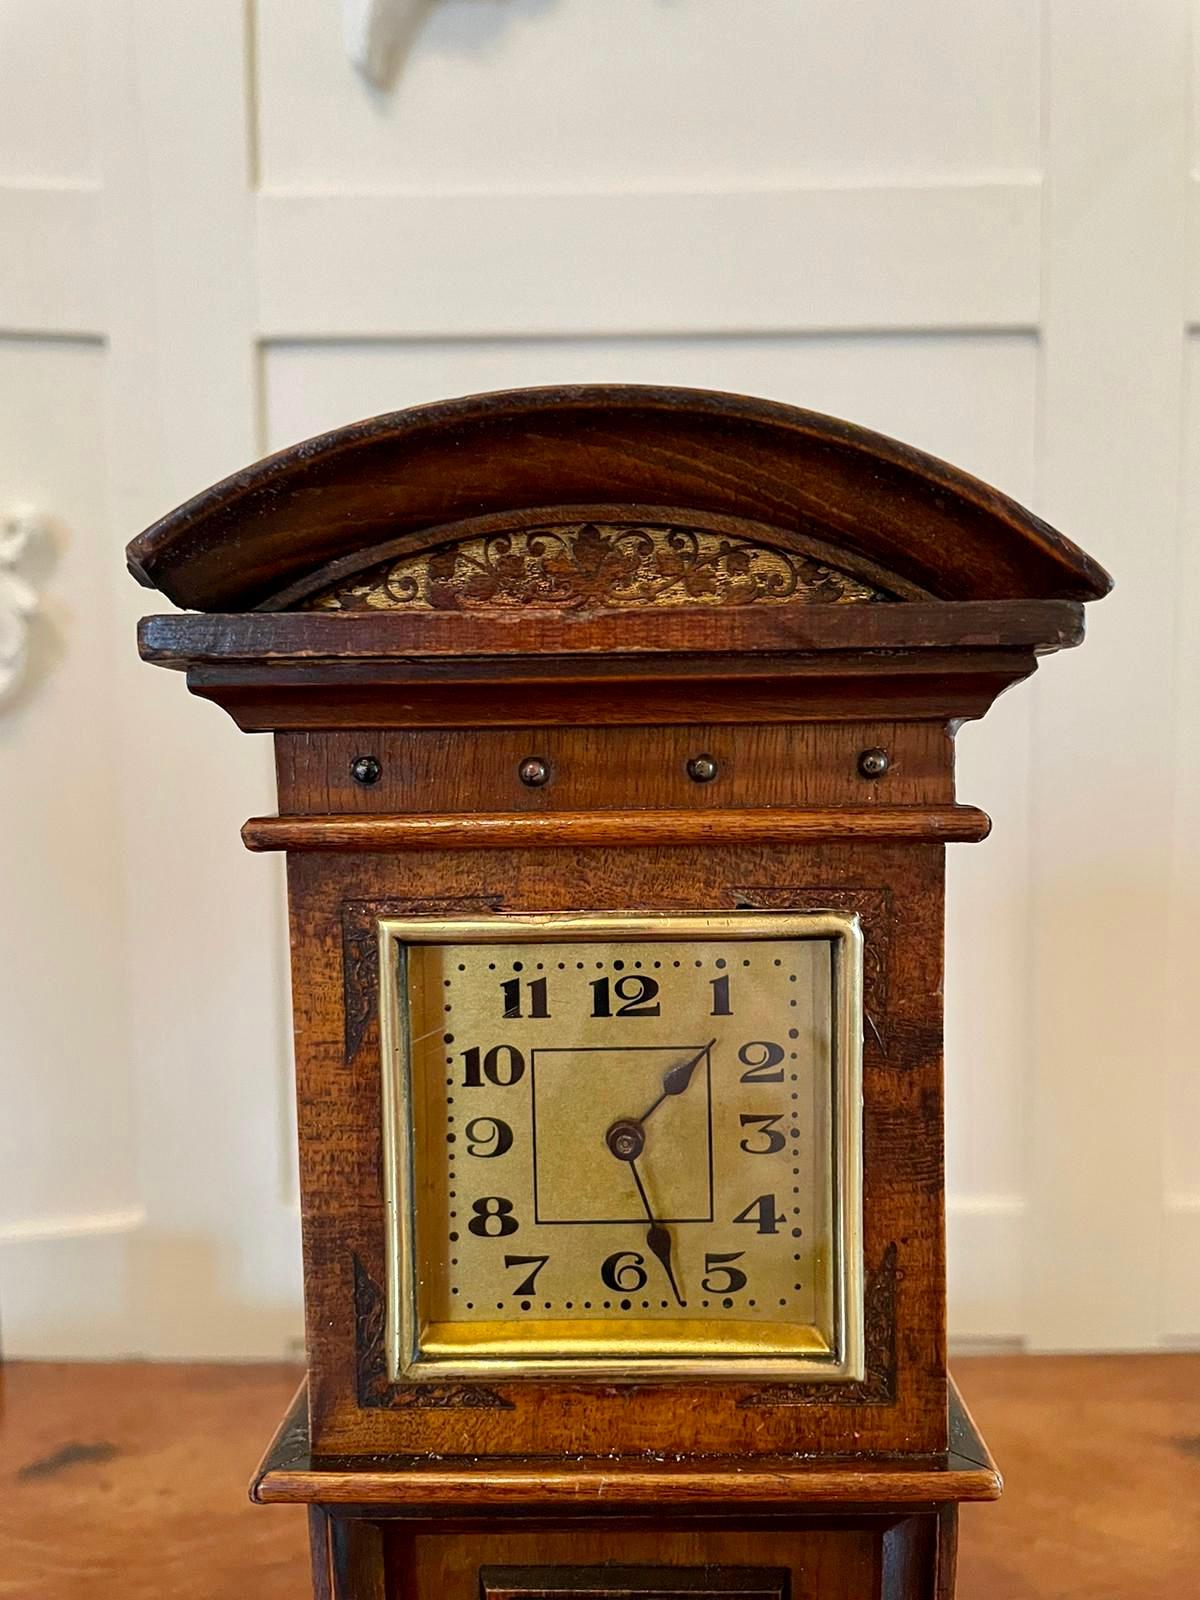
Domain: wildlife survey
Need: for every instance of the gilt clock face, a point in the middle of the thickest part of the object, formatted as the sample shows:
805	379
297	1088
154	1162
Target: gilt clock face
624	1146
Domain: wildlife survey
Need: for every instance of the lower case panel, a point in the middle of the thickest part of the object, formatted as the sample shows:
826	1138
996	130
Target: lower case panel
868	1558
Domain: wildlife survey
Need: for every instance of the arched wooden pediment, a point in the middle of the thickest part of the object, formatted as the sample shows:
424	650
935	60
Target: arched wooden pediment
599	498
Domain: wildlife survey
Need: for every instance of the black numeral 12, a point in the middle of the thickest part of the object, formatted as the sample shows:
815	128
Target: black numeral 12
638	996
537	998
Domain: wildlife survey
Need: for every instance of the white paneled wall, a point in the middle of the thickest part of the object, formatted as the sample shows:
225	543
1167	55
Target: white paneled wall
965	225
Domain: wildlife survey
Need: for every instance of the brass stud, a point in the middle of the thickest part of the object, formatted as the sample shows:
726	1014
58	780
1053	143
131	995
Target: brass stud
702	769
873	763
365	770
534	772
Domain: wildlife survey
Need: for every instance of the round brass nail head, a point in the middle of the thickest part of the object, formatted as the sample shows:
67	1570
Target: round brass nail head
365	770
534	772
873	763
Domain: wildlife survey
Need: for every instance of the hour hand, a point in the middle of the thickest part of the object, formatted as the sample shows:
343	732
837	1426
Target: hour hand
676	1078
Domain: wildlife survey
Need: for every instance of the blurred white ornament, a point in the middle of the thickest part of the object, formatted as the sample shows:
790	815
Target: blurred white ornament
18	529
375	32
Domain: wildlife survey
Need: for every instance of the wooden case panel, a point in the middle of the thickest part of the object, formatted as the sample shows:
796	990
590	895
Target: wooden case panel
809	765
901	1405
847	1558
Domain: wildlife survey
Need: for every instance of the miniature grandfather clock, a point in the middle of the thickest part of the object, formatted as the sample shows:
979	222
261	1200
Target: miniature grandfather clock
614	736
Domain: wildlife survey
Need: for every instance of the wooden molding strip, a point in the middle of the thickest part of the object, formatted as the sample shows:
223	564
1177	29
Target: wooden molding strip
646	829
291	1474
746	1481
292	639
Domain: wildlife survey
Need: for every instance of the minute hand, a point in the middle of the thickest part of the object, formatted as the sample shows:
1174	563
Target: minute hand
658	1238
677	1078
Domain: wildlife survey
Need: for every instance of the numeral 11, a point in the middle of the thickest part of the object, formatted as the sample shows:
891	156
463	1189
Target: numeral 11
511	990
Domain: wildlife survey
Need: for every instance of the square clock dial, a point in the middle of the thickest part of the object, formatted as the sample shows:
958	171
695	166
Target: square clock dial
624	1147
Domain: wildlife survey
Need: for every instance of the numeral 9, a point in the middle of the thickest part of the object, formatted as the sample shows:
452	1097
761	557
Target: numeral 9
488	1136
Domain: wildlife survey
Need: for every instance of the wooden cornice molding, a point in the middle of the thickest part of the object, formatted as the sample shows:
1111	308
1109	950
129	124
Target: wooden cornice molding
294	638
588	829
783	663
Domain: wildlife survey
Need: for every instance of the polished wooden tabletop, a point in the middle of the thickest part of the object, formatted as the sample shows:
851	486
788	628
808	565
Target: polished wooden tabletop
130	1480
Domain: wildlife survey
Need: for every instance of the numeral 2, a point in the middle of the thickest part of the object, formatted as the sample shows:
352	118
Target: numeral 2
763	1070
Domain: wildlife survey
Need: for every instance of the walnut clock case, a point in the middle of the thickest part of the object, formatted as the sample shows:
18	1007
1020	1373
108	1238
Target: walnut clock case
614	740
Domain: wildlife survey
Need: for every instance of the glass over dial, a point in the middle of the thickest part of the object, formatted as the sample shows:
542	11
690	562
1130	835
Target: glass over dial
618	1145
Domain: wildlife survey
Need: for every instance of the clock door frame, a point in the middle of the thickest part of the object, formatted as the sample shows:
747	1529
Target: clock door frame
844	1359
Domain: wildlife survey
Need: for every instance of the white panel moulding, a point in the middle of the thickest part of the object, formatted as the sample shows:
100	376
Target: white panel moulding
19	528
387	265
1181	1279
48	277
984	1236
1193	251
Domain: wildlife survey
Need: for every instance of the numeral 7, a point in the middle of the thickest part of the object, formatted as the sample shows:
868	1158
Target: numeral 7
527	1284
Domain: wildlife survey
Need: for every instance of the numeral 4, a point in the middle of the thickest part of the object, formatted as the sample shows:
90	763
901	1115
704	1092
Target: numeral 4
762	1214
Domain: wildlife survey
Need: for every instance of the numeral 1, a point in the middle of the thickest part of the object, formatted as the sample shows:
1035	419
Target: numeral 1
720	989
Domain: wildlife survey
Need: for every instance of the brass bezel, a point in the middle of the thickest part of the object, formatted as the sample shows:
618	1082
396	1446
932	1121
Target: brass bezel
845	1362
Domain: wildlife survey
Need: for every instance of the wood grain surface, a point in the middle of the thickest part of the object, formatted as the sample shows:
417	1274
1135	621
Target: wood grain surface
128	1480
508	830
356	1410
582	1489
192	640
798	765
257	534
